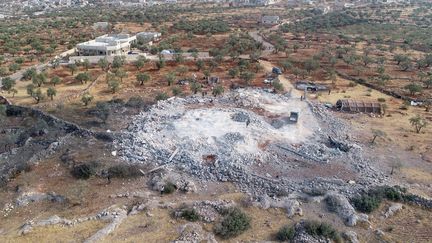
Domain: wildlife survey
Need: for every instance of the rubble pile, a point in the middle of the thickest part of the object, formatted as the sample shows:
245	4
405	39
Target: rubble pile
226	138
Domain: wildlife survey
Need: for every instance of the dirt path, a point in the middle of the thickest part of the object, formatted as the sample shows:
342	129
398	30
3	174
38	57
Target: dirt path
285	82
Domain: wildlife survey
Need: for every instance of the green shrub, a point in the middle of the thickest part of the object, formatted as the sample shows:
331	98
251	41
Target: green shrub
84	171
161	96
381	100
366	203
387	192
190	214
135	102
124	171
316	228
371	200
169	187
233	223
285	233
352	84
410	197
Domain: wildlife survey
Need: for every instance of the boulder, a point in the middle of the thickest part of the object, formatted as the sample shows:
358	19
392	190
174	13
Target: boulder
394	208
291	206
350	237
340	205
25	229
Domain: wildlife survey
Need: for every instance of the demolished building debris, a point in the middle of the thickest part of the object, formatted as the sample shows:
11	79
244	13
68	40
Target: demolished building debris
231	138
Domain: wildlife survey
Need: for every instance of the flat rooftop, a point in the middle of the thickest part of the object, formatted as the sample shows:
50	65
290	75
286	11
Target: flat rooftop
108	40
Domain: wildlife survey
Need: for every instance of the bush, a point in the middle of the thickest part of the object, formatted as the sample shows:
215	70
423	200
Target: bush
124	171
316	228
84	171
366	203
285	233
403	107
169	188
190	214
381	100
233	224
370	201
161	96
387	192
352	84
135	102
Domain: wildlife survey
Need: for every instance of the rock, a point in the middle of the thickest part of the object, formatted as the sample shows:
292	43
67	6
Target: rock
27	197
99	235
341	206
209	211
240	117
292	207
190	232
189	187
350	236
137	208
379	233
50	221
265	201
301	236
394	208
25	229
182	183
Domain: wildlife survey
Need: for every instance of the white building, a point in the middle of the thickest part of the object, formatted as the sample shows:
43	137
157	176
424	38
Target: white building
106	45
148	37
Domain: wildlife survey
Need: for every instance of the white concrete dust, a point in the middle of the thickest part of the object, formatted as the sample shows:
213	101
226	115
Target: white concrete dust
205	126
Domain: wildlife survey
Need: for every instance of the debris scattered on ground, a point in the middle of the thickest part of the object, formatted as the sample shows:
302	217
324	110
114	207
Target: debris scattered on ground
232	138
193	232
209	211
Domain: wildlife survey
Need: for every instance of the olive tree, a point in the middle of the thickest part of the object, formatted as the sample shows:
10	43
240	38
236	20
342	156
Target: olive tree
51	92
418	123
142	78
8	84
86	98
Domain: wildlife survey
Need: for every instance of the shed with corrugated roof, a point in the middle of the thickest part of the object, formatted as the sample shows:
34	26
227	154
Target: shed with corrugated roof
349	105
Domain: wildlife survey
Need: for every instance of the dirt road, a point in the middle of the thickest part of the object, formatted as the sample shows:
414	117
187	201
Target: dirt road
288	86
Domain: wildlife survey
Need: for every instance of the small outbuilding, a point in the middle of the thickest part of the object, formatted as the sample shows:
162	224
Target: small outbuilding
348	105
270	20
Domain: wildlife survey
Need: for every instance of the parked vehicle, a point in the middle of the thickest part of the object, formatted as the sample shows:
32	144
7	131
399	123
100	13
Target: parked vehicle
268	80
276	70
310	86
183	82
293	117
